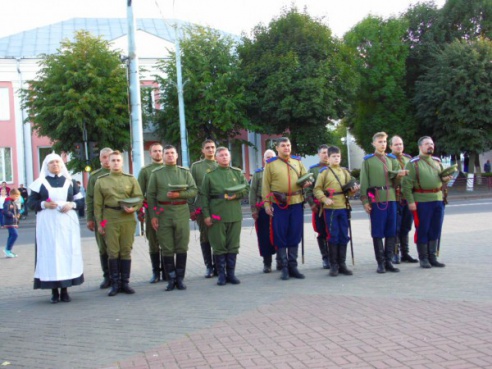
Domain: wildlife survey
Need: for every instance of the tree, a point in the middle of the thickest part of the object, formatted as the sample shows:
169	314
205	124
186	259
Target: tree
214	94
84	84
454	97
380	103
297	80
465	20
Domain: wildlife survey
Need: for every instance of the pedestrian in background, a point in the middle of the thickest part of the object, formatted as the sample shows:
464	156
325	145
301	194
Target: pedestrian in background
11	221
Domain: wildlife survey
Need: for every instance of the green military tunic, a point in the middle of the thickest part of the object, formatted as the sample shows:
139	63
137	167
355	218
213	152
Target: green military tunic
315	169
377	174
89	201
427	179
224	235
281	176
173	215
327	180
255	190
143	181
402	160
120	226
198	171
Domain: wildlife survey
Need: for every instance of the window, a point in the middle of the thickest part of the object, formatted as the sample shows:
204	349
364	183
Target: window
4	104
237	154
43	153
6	165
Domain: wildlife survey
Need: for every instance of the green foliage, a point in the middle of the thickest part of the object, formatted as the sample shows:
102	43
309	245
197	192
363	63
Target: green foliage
84	83
214	94
454	97
380	103
466	20
297	79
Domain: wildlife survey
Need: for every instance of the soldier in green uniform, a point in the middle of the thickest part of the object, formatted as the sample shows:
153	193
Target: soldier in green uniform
91	224
198	171
404	218
169	188
318	219
116	221
155	151
378	197
262	221
423	189
221	194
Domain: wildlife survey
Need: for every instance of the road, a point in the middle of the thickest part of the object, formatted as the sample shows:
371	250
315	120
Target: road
437	318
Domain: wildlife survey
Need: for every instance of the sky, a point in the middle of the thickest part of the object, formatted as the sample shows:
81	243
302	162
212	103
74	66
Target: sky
234	16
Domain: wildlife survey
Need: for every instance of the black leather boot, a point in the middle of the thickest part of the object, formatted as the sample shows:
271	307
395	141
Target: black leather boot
207	259
171	272
155	260
267	264
433	255
292	257
342	257
125	268
405	250
379	254
396	252
64	297
334	267
231	269
114	273
389	251
180	270
282	255
55	296
220	263
278	262
323	249
163	269
105	268
423	251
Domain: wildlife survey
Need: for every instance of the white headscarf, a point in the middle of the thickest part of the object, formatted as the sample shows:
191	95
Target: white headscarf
36	185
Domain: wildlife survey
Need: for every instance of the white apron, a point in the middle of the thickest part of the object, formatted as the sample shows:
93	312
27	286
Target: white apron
58	253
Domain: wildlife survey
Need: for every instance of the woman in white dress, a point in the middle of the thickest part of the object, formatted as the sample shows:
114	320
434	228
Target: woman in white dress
58	252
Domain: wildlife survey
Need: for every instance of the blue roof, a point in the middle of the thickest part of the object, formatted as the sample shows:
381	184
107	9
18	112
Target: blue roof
46	40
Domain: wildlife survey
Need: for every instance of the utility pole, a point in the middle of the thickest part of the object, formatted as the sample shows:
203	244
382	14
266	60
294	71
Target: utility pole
179	85
134	82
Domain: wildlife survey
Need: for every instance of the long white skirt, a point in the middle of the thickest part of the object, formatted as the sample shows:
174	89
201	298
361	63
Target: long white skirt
58	249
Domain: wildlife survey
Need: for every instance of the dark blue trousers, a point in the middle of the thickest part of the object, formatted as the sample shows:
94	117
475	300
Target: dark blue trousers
428	223
383	220
337	226
319	225
287	225
262	226
404	219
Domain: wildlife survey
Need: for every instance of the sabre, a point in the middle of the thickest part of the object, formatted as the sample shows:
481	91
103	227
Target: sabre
349	216
302	239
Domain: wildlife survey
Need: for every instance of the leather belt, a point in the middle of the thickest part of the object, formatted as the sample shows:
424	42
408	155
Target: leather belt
214	197
328	194
172	202
379	188
434	190
113	207
291	194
